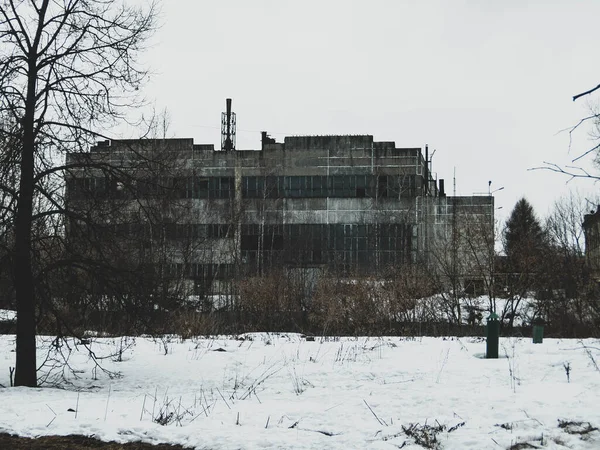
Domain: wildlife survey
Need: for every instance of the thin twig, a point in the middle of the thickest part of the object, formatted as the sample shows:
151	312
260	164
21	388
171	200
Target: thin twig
77	406
143	407
223	398
381	422
107	400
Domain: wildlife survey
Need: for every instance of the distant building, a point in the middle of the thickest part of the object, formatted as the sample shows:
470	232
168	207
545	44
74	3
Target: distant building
345	204
591	229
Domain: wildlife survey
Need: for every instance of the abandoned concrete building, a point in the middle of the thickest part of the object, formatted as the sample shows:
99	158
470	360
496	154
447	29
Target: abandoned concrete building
346	204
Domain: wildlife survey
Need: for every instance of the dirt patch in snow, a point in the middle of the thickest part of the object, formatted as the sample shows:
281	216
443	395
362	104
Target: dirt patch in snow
76	442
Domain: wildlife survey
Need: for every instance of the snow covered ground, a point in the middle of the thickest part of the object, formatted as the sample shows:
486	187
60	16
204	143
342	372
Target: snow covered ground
6	315
280	391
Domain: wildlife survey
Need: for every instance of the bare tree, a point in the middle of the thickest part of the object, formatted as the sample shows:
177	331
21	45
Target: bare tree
462	257
448	267
481	235
563	224
567	295
68	68
575	169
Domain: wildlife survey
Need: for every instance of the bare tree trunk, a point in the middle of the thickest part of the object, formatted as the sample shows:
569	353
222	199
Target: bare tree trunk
60	59
25	371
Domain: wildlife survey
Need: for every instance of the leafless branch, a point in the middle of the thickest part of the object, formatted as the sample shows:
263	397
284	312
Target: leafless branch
575	97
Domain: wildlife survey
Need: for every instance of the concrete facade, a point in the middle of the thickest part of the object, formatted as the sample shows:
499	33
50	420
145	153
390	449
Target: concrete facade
341	203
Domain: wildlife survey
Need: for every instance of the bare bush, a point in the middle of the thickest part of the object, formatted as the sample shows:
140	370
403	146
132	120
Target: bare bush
347	306
269	302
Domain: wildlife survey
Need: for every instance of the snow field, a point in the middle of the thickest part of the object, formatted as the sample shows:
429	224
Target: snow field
6	315
279	391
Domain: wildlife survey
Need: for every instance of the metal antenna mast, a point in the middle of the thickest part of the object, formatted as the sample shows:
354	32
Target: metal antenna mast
228	129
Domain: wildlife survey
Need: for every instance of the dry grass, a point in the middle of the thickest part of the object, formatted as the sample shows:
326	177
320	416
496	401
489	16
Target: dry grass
75	442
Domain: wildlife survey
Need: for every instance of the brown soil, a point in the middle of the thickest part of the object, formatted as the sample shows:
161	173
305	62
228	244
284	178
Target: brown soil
75	442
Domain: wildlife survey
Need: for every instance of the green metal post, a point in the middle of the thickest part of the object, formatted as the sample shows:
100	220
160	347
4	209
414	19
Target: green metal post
493	336
538	331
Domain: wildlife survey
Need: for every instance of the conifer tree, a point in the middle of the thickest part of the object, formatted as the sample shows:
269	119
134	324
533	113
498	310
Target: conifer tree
524	243
523	237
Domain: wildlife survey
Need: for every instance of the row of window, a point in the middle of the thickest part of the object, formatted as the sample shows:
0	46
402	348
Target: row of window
330	231
272	236
345	260
169	231
362	244
353	244
193	271
318	186
209	272
179	187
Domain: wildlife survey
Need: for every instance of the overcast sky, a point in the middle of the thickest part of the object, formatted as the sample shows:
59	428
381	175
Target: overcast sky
487	84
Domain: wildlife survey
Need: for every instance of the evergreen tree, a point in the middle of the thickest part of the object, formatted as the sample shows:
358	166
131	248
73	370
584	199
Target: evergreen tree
524	238
524	244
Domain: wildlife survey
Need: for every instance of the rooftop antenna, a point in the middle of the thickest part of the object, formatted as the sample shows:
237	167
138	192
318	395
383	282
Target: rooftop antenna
454	190
228	128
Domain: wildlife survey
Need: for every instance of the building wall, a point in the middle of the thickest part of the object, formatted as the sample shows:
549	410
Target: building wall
591	228
340	202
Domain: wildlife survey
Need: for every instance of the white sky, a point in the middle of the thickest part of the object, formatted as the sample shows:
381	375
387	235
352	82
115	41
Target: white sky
488	84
